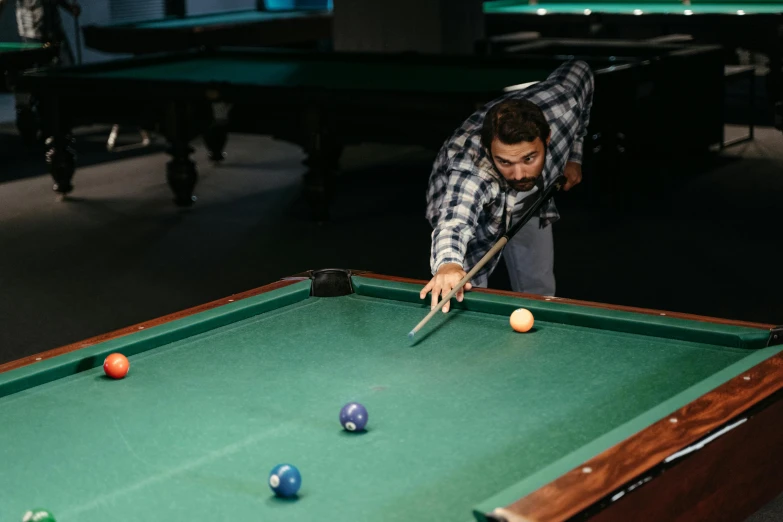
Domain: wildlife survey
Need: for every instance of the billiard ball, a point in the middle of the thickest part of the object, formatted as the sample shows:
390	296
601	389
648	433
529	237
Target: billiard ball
38	515
285	480
116	366
521	320
353	416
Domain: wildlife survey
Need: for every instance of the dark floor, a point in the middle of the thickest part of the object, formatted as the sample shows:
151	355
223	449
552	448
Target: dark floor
119	252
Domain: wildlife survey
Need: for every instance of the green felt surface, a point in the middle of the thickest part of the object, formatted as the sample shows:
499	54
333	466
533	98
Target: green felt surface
330	74
233	17
10	47
662	7
471	413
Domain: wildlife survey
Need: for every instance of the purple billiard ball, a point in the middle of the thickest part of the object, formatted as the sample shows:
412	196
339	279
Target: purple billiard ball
353	416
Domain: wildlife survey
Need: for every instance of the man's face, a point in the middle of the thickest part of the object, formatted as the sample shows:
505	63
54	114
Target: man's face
521	163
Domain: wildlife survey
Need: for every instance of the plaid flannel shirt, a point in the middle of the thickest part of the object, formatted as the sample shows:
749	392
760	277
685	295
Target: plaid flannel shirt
469	204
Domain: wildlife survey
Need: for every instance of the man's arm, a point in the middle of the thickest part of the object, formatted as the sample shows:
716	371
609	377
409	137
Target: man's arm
579	79
573	168
582	82
455	227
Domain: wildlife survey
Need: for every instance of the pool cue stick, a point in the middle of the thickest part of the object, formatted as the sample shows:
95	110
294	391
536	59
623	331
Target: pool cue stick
78	33
522	221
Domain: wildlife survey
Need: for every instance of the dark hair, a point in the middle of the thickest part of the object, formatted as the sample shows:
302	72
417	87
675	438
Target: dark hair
514	121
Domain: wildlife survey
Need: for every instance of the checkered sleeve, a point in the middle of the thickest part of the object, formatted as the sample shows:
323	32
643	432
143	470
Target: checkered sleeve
456	219
580	79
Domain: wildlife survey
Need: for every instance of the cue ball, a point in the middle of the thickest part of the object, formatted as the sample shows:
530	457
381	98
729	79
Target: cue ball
285	480
116	366
353	416
38	515
521	320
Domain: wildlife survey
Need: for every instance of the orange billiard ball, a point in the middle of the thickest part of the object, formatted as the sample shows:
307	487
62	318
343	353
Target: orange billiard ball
116	366
521	320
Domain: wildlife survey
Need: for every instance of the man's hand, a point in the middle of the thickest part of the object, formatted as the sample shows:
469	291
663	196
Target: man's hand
444	281
573	174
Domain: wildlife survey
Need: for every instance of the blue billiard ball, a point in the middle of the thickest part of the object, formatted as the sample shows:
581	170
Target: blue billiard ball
285	480
353	416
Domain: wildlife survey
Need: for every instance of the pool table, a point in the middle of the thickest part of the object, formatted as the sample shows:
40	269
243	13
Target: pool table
16	57
250	28
319	100
756	26
600	412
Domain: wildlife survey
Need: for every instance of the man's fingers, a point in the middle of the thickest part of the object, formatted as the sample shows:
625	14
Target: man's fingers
444	292
435	294
440	287
426	289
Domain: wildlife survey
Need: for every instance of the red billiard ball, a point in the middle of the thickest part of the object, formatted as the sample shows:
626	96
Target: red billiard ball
116	366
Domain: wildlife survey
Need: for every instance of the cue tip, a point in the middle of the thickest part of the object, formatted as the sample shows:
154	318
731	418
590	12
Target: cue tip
411	334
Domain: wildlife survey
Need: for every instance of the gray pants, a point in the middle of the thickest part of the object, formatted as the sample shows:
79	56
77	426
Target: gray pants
530	258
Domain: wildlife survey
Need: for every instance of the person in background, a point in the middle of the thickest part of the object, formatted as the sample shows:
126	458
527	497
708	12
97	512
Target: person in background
39	21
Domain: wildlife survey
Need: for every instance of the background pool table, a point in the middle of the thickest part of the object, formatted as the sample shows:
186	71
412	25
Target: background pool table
597	411
251	28
15	57
687	79
754	26
321	101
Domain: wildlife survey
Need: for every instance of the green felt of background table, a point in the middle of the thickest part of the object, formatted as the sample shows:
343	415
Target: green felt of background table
10	47
624	7
233	17
263	71
473	410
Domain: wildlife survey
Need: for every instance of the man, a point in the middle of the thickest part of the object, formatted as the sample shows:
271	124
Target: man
494	165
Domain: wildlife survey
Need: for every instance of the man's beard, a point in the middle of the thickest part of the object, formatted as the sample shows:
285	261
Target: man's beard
525	185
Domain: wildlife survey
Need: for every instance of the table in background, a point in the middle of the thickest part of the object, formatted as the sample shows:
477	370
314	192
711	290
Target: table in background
682	82
755	26
321	101
619	413
687	80
16	57
251	28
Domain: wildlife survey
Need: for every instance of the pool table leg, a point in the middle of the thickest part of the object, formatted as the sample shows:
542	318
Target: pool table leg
181	174
182	124
60	155
61	158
